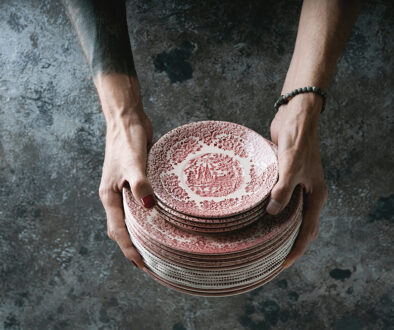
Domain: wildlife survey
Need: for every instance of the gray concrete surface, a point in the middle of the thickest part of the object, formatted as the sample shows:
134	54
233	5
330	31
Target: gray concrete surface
196	60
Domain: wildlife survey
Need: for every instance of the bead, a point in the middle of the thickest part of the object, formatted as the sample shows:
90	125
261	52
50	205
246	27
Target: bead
284	99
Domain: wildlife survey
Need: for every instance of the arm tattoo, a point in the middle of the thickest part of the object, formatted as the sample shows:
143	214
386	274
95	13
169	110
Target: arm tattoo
101	26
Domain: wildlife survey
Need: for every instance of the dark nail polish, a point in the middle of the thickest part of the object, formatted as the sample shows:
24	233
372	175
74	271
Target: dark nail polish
148	201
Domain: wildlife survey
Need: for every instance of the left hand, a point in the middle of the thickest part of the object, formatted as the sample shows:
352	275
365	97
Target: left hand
295	131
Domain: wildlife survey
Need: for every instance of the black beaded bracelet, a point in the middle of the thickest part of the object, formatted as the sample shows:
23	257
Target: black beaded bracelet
284	99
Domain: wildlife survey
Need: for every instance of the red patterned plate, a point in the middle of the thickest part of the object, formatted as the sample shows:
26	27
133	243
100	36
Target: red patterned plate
209	259
212	225
211	230
221	260
133	227
212	169
154	226
196	263
209	277
233	264
194	221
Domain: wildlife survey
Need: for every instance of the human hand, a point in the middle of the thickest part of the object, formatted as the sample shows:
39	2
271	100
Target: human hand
127	139
295	131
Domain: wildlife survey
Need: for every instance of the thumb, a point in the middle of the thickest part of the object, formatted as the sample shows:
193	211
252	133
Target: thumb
141	189
280	195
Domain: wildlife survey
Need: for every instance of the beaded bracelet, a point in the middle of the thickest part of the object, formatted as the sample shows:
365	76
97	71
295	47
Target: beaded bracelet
284	99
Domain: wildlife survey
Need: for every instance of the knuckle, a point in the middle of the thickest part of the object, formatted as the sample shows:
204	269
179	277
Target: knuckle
110	234
104	193
129	254
314	235
113	233
308	185
282	188
138	184
296	254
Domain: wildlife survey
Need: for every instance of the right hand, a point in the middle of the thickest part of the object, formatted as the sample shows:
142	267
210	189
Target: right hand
295	131
126	149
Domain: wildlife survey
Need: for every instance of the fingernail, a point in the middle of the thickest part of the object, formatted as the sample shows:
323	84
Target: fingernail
148	201
273	207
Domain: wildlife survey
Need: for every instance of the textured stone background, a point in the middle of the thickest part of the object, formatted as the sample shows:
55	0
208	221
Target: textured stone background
196	60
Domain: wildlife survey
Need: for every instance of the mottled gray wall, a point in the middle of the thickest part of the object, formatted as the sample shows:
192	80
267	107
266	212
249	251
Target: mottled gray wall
196	60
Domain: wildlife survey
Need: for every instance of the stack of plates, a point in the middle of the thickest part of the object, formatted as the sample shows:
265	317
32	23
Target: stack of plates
209	234
213	265
212	176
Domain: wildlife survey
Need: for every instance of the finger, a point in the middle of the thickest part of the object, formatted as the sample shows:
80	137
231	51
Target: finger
141	188
282	191
121	236
310	225
116	226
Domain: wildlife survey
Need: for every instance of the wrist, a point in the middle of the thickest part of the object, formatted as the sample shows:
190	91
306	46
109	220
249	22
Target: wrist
311	102
120	98
304	107
119	127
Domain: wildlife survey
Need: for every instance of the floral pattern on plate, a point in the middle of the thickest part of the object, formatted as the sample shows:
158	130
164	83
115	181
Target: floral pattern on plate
212	169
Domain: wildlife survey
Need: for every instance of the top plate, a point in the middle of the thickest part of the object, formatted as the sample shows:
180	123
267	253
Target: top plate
212	169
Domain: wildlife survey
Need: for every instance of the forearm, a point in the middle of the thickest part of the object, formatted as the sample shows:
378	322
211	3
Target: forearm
324	28
101	27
